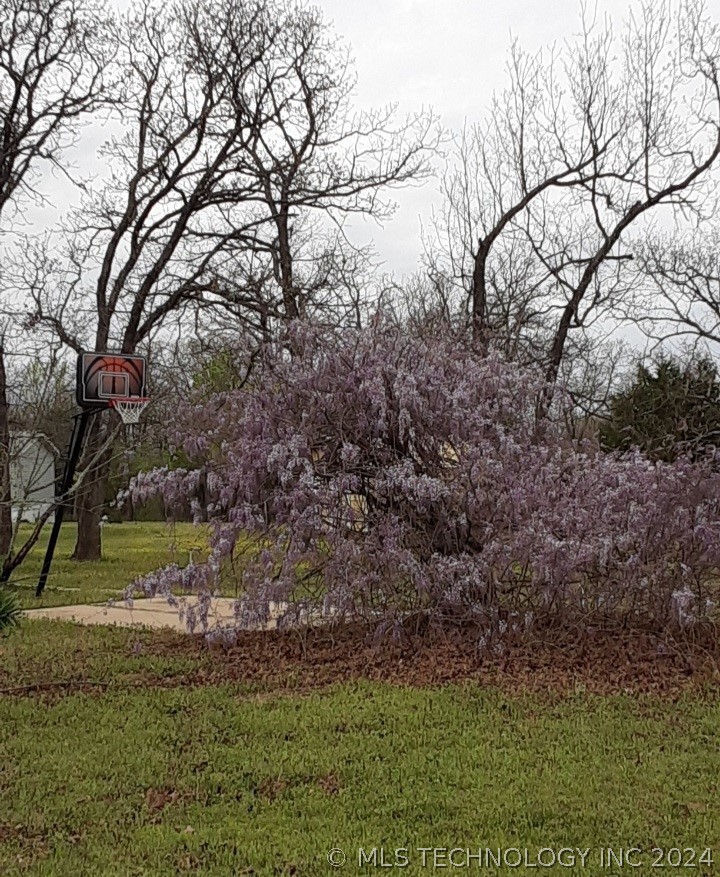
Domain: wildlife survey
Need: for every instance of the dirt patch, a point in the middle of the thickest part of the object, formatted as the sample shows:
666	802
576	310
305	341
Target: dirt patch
272	788
330	784
156	800
30	843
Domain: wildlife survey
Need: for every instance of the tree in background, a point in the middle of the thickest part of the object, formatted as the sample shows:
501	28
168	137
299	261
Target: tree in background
317	161
680	293
236	129
54	64
54	72
548	199
35	398
671	408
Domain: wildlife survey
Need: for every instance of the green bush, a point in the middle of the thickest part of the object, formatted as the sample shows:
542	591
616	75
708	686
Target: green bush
670	408
9	609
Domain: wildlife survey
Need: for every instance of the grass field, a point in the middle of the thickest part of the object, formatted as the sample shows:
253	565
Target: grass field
129	550
147	775
156	761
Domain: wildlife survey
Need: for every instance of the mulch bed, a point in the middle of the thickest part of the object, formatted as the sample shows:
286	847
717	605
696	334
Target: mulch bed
289	662
603	663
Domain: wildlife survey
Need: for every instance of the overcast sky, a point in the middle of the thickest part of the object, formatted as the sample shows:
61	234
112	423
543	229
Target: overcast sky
448	54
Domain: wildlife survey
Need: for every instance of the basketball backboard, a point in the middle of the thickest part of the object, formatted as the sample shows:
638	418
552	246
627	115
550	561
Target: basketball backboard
105	377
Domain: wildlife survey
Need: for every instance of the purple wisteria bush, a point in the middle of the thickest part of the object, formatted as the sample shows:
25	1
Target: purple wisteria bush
407	482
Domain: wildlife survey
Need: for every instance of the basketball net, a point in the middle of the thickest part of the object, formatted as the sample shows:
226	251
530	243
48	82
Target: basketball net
129	409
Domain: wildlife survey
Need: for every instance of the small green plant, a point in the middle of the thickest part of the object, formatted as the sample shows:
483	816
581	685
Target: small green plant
9	610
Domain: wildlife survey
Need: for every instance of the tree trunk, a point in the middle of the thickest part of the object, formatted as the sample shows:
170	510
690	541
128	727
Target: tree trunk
289	293
5	487
479	293
90	497
128	510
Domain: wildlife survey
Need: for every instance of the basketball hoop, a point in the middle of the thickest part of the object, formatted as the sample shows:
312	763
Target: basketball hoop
104	380
129	409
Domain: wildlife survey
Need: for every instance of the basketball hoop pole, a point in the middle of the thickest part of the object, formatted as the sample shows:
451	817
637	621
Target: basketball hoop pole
74	449
104	380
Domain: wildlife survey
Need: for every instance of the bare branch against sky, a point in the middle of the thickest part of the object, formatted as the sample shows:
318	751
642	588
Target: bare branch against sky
448	55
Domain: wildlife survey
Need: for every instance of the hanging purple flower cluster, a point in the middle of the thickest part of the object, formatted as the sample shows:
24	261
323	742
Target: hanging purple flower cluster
399	480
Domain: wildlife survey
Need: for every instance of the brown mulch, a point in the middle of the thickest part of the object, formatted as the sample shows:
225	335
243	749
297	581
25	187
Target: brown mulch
603	663
266	664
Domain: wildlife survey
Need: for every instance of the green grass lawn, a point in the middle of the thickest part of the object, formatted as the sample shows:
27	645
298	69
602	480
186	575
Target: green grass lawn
129	550
230	779
164	766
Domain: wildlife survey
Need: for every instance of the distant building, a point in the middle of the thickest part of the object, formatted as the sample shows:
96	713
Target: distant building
32	474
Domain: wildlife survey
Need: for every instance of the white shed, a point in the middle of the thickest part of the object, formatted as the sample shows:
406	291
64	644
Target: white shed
32	474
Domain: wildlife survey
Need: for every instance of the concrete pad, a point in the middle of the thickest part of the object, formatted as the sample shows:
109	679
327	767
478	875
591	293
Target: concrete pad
154	612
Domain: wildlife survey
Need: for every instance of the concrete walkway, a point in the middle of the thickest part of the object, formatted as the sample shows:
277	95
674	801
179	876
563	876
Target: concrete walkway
153	612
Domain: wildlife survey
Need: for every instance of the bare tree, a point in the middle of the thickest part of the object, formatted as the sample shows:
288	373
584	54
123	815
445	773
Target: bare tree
236	126
670	144
54	70
588	146
54	57
14	492
5	486
140	245
535	140
678	290
317	163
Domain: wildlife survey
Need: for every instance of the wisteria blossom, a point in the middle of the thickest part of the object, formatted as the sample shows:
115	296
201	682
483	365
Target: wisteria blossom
377	476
